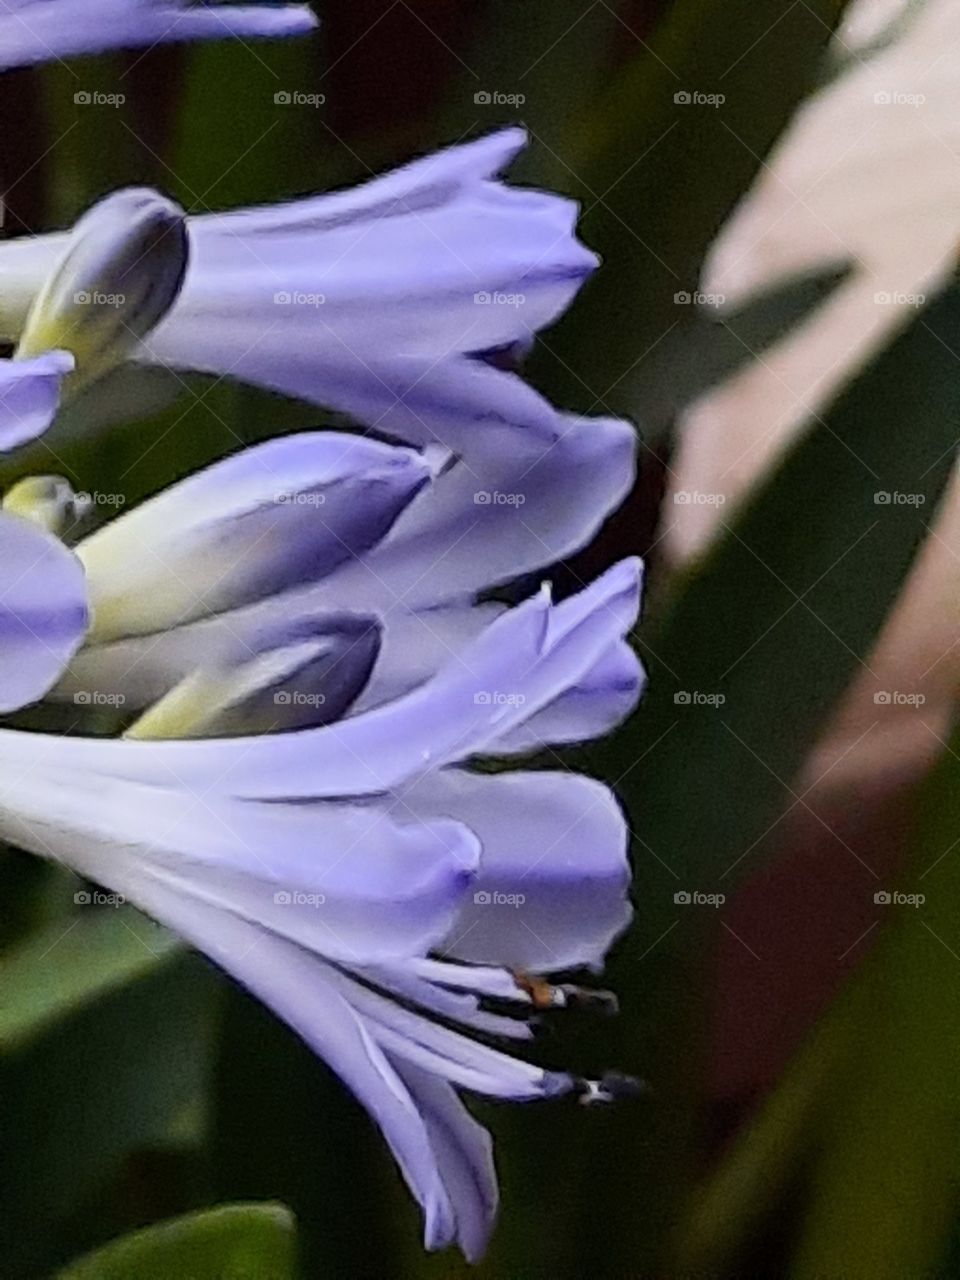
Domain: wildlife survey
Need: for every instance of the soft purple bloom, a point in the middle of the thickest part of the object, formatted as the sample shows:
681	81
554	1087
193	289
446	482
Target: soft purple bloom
351	875
281	539
33	31
43	611
30	396
381	301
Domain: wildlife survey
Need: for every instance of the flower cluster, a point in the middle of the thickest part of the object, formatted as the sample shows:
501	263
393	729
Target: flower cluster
307	640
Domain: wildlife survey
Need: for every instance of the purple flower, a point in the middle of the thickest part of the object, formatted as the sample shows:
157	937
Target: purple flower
43	611
367	885
33	31
283	541
382	301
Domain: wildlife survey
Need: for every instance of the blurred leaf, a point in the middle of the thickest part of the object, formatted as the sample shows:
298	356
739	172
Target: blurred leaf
254	1241
774	621
285	1127
755	1173
711	345
659	176
105	1029
545	74
70	965
887	1183
267	88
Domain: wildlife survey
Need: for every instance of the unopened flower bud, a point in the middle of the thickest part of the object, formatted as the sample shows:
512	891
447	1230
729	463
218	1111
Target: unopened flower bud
120	273
47	501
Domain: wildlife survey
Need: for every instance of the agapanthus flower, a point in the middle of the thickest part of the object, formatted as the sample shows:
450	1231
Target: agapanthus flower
232	561
383	302
354	876
33	31
116	278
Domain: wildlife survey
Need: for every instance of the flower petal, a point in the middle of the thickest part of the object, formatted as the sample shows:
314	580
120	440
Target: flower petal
471	531
303	672
30	396
33	31
464	1154
598	703
43	611
435	260
279	514
520	664
552	889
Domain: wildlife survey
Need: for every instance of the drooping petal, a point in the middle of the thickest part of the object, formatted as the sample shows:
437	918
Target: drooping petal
303	672
43	611
523	662
552	889
33	31
435	260
280	514
598	703
30	395
464	1154
294	983
477	528
349	881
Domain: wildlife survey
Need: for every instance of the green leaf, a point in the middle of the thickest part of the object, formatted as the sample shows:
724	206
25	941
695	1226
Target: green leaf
774	621
659	177
235	1242
70	965
709	346
887	1184
284	1125
105	1043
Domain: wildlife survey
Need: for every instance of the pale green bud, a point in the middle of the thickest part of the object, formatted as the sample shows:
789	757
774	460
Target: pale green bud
120	272
47	501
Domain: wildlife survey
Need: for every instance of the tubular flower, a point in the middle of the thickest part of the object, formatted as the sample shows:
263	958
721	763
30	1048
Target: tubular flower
114	277
33	31
382	302
297	534
363	882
